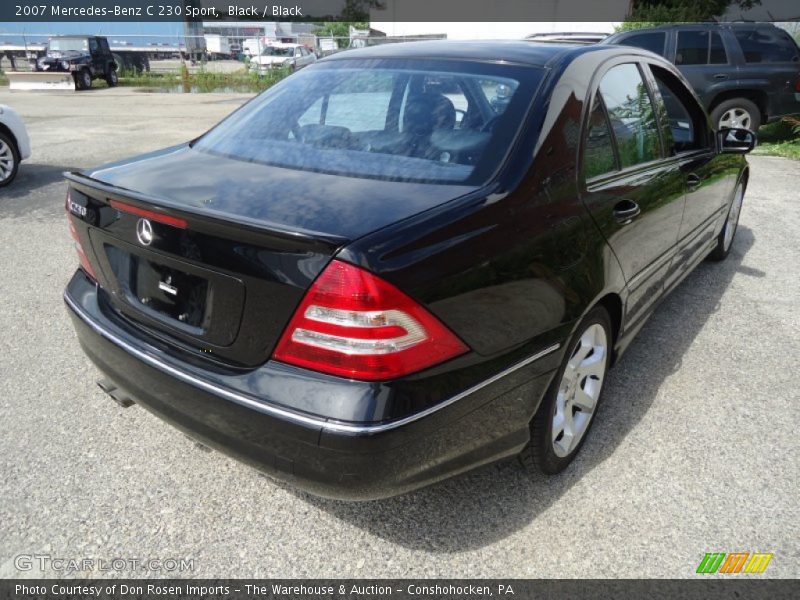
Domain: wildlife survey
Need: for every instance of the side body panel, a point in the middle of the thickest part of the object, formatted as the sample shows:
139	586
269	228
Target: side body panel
514	267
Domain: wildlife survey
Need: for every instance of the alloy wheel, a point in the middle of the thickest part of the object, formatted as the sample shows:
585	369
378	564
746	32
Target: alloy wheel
7	161
733	218
735	118
579	390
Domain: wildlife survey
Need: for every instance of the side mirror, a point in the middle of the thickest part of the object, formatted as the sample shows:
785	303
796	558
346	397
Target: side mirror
735	141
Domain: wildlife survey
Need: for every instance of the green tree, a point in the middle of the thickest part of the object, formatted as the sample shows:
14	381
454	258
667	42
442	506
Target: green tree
651	13
358	10
339	30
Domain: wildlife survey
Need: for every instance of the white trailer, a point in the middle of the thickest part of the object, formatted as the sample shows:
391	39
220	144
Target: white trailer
217	46
252	47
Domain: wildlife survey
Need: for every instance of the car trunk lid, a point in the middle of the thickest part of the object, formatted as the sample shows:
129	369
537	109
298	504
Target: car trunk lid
213	255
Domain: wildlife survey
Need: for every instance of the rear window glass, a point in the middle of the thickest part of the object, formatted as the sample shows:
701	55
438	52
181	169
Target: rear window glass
402	120
653	41
700	48
69	44
766	44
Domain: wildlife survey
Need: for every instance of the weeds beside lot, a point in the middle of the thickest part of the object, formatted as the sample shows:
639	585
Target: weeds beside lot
780	138
204	81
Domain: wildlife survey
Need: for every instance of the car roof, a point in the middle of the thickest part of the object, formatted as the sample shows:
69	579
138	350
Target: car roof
516	51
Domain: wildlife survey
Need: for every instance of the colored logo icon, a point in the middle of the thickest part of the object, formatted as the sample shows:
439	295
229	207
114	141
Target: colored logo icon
736	562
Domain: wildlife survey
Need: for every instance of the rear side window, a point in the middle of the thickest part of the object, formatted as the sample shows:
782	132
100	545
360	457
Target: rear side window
630	111
598	154
766	44
700	48
653	41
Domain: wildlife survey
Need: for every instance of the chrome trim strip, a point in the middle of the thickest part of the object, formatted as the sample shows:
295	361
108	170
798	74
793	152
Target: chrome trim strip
332	426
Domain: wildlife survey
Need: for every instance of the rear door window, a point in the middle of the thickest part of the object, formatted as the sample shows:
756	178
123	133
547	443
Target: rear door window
631	114
653	41
716	52
766	44
700	48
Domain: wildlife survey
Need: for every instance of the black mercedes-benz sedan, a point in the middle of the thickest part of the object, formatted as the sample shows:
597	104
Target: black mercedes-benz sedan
406	261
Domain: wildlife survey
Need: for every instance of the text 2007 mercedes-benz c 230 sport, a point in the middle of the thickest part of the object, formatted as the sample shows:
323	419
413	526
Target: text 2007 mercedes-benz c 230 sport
406	261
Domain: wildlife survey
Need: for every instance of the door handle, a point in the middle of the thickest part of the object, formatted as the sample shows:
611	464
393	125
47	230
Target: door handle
693	181
720	76
626	211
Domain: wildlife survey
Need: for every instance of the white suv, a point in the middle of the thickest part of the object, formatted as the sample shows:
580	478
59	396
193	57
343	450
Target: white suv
14	144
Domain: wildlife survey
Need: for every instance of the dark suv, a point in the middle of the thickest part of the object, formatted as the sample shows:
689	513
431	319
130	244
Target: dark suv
86	57
745	73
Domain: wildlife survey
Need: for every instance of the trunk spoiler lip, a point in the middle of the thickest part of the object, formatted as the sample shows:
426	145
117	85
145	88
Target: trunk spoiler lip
161	203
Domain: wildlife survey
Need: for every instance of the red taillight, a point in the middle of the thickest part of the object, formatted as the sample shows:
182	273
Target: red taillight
85	264
797	85
353	324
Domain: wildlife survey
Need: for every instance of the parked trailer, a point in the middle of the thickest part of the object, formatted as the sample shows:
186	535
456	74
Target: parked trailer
217	46
131	49
128	57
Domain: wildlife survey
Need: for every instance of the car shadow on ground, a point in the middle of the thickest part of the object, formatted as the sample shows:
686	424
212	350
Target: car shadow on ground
28	186
489	504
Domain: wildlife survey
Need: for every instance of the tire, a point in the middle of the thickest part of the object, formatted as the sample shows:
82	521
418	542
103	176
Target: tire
728	233
112	79
736	112
83	79
9	160
551	453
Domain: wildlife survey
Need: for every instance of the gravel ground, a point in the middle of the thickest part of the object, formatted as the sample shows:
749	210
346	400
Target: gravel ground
695	449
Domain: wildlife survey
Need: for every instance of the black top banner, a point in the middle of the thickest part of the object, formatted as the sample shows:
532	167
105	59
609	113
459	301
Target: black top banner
40	11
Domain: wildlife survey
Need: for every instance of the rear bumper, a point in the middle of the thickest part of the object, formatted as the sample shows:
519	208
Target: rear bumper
354	461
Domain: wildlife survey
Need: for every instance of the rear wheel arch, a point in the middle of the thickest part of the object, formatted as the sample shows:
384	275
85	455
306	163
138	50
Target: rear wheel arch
612	302
613	305
758	97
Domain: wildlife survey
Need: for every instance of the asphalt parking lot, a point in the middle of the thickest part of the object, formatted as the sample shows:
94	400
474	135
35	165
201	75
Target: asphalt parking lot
695	450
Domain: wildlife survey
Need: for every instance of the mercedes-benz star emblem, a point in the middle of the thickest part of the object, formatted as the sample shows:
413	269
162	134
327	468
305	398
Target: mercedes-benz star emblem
144	232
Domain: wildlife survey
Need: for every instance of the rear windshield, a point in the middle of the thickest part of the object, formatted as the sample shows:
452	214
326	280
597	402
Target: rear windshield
277	51
64	45
400	120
